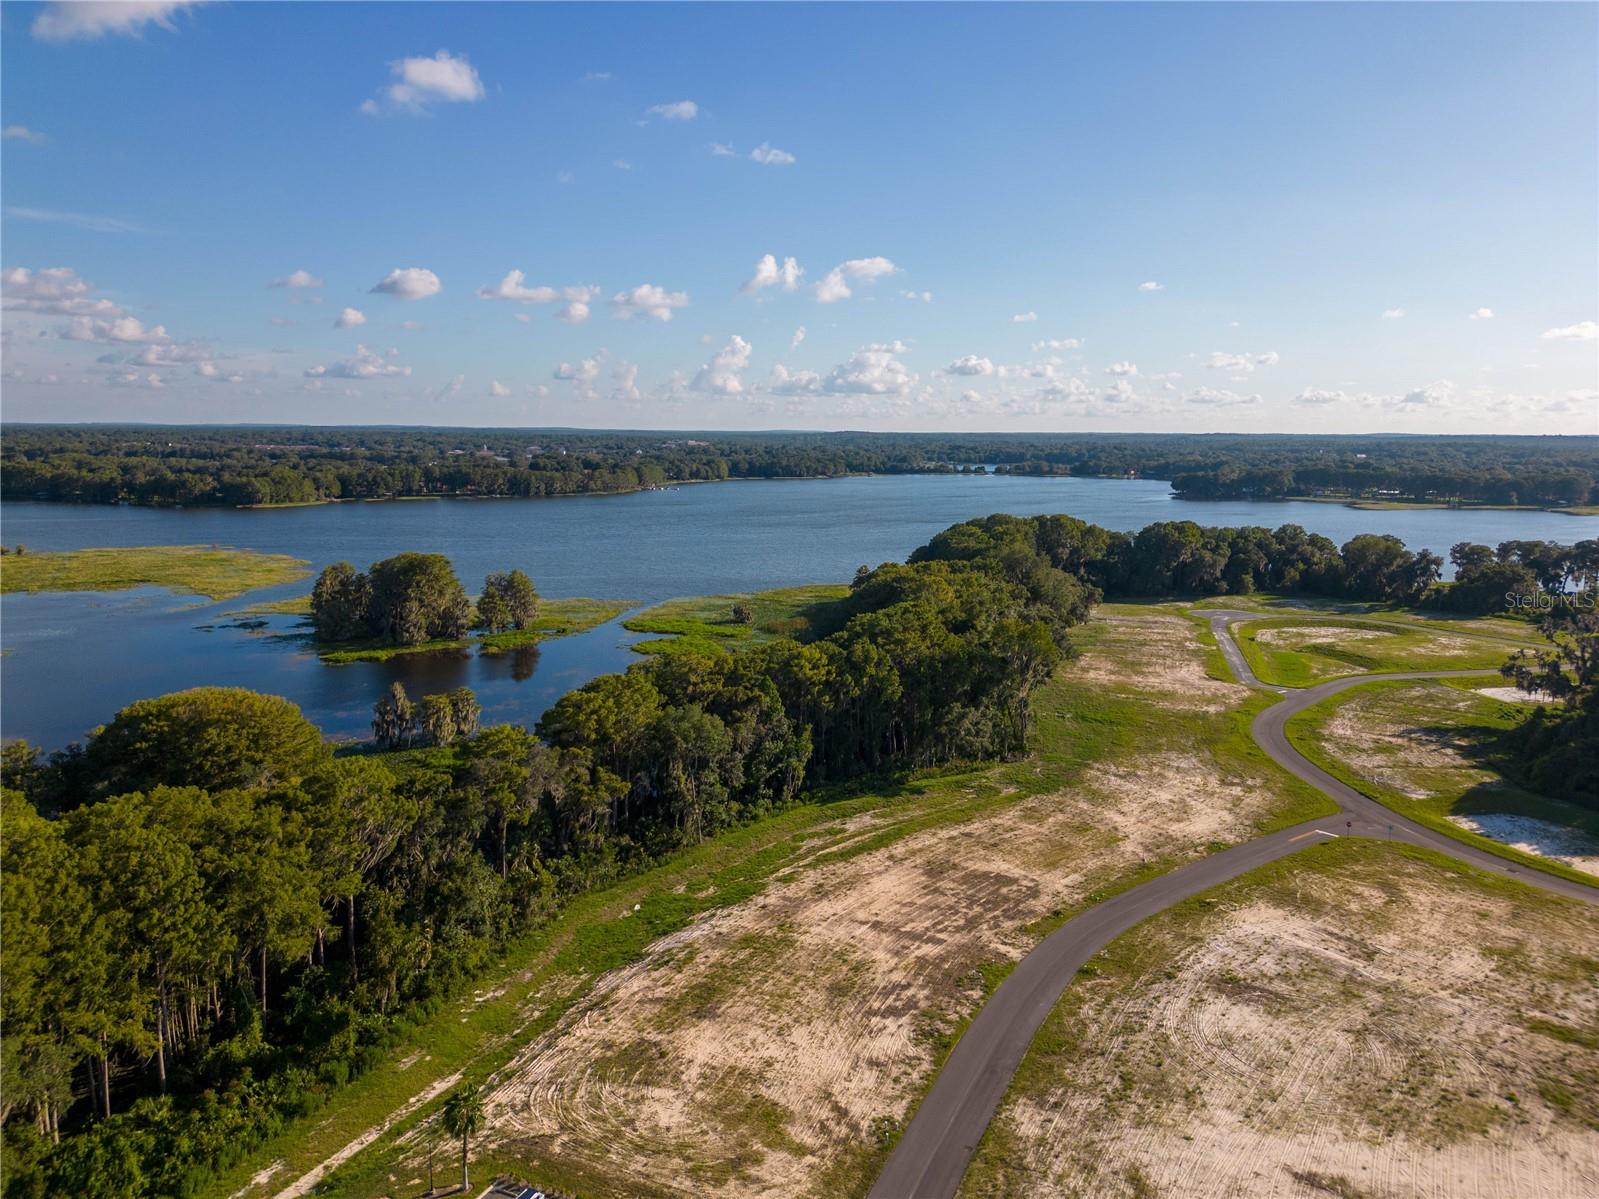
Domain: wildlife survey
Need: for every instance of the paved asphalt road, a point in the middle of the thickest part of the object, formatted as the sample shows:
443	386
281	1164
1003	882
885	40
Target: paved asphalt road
932	1155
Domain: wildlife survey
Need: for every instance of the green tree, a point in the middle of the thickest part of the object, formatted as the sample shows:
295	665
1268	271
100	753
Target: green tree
416	598
394	718
436	716
509	601
743	613
462	1116
212	737
465	710
341	604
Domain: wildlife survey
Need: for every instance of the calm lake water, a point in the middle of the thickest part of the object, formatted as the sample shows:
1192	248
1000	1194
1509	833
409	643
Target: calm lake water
71	660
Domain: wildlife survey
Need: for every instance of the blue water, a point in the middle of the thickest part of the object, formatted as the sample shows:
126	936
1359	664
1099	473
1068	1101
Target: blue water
70	661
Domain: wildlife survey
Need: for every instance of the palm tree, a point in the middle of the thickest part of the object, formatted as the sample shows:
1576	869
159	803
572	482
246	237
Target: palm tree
462	1116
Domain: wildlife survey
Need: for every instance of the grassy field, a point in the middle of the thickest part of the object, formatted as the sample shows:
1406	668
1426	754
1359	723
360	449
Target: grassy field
1430	752
1505	627
1298	653
209	570
1080	727
705	624
1357	1011
557	618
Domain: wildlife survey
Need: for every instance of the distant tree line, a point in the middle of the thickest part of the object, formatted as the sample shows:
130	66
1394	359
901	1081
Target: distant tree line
236	466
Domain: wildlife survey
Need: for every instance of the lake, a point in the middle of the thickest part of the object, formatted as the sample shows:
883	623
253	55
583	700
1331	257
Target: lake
71	660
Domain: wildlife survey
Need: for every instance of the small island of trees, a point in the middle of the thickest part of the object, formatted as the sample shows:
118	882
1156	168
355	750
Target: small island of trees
414	598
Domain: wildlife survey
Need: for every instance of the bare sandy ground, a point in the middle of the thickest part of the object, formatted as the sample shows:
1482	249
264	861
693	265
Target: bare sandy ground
1515	695
1298	636
760	1050
1377	738
1527	833
1367	1037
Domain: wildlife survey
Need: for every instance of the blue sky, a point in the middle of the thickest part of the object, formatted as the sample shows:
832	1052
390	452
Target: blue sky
1114	216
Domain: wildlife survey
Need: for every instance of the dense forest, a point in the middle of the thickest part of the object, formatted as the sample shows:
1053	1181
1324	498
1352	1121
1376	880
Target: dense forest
213	920
1558	747
193	465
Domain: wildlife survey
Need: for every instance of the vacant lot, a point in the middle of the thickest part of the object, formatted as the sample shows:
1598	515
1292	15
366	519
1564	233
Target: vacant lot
1358	1020
1297	653
1430	751
769	1048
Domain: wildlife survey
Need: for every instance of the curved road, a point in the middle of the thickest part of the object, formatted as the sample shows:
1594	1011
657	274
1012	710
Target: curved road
931	1157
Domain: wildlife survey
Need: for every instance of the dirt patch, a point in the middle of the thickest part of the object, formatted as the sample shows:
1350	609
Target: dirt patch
1532	835
1389	1034
1378	734
1514	695
1299	636
760	1050
1158	657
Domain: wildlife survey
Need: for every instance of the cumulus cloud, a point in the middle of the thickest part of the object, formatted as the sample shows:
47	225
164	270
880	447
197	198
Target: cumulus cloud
921	297
1122	370
678	110
722	375
410	283
21	133
297	279
365	364
55	291
835	284
1243	364
418	82
647	301
723	150
127	330
575	309
349	319
1320	396
85	20
971	364
1433	395
799	336
498	390
871	370
768	273
622	164
148	380
1581	331
1024	318
1151	285
1057	343
1392	314
769	155
794	383
1481	314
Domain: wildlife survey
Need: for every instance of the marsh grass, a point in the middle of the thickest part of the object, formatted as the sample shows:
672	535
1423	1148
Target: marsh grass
216	572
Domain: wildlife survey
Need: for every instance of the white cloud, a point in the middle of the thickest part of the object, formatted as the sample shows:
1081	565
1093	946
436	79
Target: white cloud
799	336
1057	343
565	177
150	380
1024	318
418	82
1318	396
498	390
971	364
349	319
298	279
769	274
575	309
55	290
835	285
624	383
584	371
647	300
21	133
1581	331
411	283
723	150
1245	364
282	322
1219	398
122	329
678	110
622	164
794	383
922	297
1151	285
722	375
769	155
82	220
365	364
1482	314
1122	370
88	19
1433	395
1392	314
871	370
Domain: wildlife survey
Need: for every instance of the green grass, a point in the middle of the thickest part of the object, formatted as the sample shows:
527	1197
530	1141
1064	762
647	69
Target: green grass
1076	727
1476	788
209	570
557	618
1075	1033
299	605
799	612
1317	658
